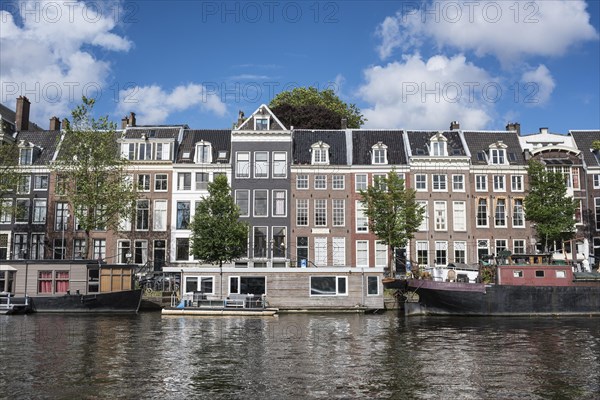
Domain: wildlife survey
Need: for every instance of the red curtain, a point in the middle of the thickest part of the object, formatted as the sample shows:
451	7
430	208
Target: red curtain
62	281
45	282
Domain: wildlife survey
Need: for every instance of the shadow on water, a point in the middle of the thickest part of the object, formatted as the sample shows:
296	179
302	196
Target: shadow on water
299	356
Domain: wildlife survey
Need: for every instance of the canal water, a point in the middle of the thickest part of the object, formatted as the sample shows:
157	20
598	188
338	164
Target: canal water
298	356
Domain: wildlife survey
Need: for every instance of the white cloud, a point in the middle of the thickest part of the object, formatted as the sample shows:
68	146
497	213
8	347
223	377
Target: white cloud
538	84
47	53
153	105
504	29
421	94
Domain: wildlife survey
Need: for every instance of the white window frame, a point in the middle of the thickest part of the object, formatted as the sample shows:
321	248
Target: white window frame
302	182
262	165
159	215
254	192
362	246
499	183
381	254
379	154
203	153
338	251
425	221
247	211
338	182
458	183
338	212
242	159
481	184
516	183
279	165
319	153
337	289
459	216
278	201
320	245
358	188
440	211
421	182
361	217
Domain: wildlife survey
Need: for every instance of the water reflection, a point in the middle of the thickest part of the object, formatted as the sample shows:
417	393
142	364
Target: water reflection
303	356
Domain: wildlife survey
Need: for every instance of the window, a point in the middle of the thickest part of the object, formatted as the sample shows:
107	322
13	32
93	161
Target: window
362	253
459	216
22	211
261	124
481	183
279	164
379	154
261	164
142	215
201	180
100	215
596	181
379	181
320	212
79	249
159	219
301	181
499	183
242	201
59	249
242	165
422	253
328	286
255	285
60	186
438	145
37	247
40	182
45	282
20	246
518	246
339	212
145	151
261	203
439	183
561	274
518	274
26	156
144	182
203	153
278	247
425	222
483	248
61	215
260	241
539	273
320	182
338	182
439	210
302	212
498	156
320	153
279	203
381	254
7	211
458	183
184	181
39	211
338	251
482	217
182	249
516	183
362	222
128	151
302	250
501	246
99	249
360	182
24	184
518	213
140	255
203	284
597	213
421	182
441	253
372	286
163	151
183	214
460	252
500	213
320	251
3	246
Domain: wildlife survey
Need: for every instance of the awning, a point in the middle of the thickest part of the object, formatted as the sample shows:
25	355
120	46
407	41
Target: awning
5	267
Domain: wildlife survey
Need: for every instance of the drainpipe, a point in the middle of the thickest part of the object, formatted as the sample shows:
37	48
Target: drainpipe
362	287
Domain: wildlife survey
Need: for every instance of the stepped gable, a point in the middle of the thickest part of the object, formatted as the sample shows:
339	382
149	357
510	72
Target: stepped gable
303	139
364	140
479	143
219	139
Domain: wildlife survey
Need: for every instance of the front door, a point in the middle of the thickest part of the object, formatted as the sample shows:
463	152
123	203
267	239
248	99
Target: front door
159	254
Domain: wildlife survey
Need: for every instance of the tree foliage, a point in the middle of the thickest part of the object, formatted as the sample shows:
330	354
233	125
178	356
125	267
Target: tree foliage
217	234
547	205
97	185
325	105
9	173
394	215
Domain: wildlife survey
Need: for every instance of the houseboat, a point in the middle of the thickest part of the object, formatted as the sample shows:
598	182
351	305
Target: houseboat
524	285
72	286
288	289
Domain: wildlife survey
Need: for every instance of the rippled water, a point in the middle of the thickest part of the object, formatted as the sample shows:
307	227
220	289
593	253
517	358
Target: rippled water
298	356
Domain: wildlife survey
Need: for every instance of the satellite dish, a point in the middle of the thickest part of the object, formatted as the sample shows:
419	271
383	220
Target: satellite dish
451	275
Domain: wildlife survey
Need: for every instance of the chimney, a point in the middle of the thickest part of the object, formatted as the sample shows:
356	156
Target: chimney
66	124
124	122
514	126
454	125
344	123
54	124
131	119
543	130
22	122
240	120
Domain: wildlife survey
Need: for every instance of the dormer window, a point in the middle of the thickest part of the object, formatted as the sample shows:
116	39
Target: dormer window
498	153
26	156
379	154
261	123
203	152
438	145
320	153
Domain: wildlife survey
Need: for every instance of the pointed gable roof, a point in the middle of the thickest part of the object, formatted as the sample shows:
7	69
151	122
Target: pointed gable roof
261	112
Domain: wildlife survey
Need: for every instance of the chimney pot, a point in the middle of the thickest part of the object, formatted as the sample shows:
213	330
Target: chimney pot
22	114
54	124
543	130
514	126
454	125
124	122
344	123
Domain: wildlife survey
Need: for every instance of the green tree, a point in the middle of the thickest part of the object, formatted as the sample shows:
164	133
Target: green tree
217	234
547	205
394	215
97	185
298	108
9	174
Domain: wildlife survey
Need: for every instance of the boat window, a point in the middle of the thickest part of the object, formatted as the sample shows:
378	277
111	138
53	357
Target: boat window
539	274
372	285
93	280
518	274
328	286
561	274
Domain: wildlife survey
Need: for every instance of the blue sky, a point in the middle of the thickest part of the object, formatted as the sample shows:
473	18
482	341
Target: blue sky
406	64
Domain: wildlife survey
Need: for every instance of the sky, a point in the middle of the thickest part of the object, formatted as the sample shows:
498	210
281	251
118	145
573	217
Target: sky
405	64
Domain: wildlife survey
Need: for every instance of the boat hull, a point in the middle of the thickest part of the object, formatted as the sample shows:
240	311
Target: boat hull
127	301
449	298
